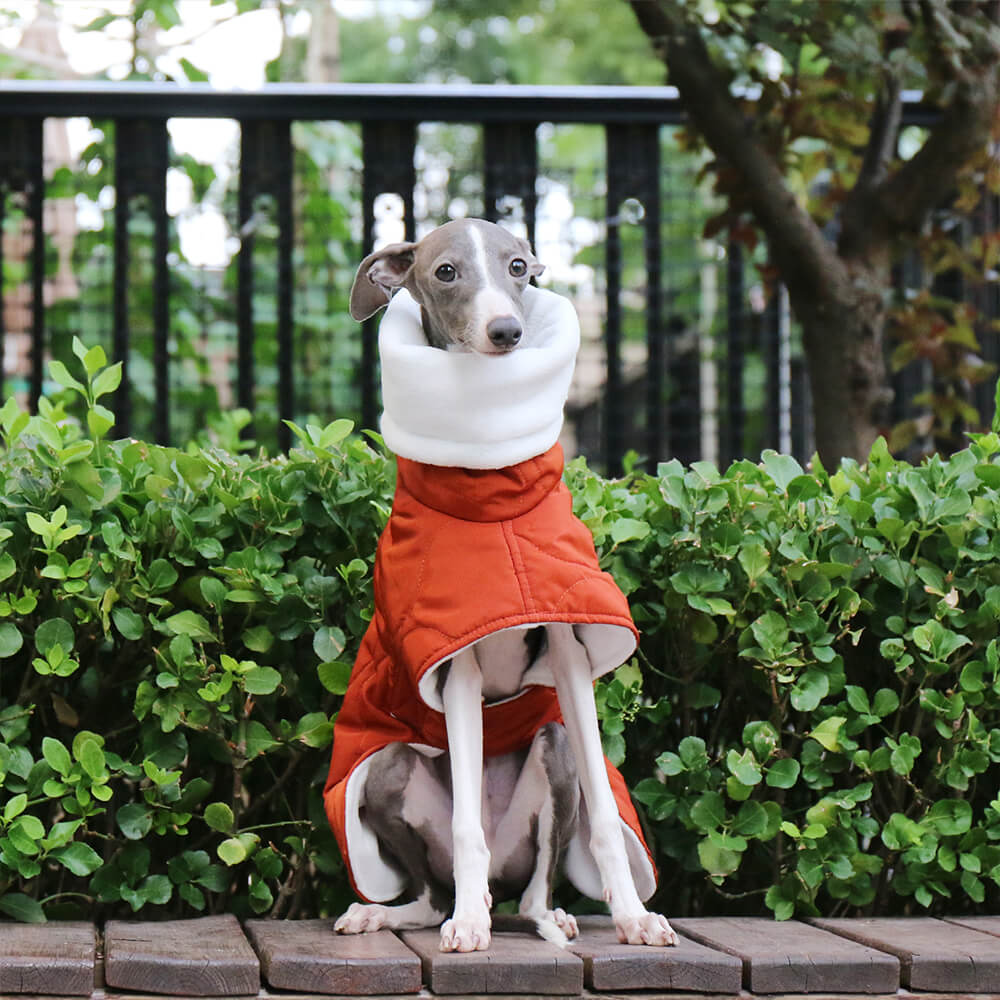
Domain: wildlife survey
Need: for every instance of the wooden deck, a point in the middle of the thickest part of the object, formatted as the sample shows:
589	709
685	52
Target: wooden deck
303	960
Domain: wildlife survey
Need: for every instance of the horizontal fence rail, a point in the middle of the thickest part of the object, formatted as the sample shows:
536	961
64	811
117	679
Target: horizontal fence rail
692	362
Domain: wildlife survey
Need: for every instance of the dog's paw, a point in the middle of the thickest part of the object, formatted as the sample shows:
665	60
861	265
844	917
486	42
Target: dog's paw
465	934
646	928
557	926
361	918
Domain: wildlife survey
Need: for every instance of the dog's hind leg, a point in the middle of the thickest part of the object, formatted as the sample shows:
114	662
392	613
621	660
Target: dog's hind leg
405	803
537	826
575	689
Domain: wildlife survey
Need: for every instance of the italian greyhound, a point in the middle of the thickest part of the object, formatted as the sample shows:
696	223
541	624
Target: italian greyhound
511	815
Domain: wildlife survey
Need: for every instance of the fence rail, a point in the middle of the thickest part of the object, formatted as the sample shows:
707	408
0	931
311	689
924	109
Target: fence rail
687	396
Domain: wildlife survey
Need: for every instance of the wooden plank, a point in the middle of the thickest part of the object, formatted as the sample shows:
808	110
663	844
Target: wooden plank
792	957
51	959
988	925
609	965
307	956
514	963
933	954
206	957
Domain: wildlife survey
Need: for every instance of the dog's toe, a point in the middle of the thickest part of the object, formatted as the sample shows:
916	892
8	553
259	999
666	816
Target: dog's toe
361	919
464	934
648	928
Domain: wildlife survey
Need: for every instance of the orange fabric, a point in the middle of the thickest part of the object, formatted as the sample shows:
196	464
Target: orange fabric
467	553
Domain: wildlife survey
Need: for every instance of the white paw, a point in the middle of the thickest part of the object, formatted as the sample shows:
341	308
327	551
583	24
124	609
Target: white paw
566	922
465	934
645	928
361	918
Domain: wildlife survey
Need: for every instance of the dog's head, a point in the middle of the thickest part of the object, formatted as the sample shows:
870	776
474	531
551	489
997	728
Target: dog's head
467	276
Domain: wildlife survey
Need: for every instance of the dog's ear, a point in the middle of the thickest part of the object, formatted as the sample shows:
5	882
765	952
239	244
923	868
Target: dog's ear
379	274
534	267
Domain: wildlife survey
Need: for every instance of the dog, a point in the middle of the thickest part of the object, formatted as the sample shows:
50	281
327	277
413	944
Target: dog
478	805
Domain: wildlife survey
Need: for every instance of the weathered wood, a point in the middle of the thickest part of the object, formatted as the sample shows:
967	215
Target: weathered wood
792	957
306	955
51	959
933	954
987	925
609	965
206	957
514	963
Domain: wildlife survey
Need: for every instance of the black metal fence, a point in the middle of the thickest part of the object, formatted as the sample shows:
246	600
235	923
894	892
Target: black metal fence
686	356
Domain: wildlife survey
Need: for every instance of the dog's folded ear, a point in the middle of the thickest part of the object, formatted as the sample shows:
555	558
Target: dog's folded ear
378	276
534	267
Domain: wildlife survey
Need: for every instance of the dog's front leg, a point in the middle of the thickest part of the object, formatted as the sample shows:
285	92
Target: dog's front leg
469	927
575	689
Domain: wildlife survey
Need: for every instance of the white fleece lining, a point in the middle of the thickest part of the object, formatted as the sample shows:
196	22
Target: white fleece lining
608	647
470	410
381	882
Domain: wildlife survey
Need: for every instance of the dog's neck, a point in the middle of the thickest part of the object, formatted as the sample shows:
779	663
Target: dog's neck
434	336
469	410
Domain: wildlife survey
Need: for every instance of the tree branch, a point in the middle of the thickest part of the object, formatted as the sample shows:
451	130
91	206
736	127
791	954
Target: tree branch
808	262
964	128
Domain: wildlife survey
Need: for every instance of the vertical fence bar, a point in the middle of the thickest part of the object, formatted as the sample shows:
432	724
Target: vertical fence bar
266	168
244	271
510	168
613	444
388	150
769	323
119	290
22	169
36	212
657	429
282	181
731	446
157	187
3	304
141	162
633	171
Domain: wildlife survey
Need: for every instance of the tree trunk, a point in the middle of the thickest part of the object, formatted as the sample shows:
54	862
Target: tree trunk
843	337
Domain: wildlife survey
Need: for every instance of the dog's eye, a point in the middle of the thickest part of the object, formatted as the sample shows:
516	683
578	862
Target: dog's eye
446	273
518	268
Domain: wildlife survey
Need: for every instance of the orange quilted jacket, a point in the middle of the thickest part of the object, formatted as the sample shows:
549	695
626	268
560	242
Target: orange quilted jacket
467	553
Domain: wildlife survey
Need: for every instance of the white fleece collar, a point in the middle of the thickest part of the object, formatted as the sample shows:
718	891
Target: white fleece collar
471	410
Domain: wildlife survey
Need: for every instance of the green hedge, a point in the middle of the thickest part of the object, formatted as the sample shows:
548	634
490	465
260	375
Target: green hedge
813	722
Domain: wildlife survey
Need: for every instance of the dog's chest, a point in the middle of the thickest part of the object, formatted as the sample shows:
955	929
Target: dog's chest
503	659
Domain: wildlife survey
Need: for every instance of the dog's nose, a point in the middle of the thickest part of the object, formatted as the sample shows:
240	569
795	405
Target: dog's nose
504	331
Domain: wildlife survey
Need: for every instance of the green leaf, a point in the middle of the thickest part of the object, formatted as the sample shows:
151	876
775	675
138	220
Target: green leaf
22	908
191	624
54	632
261	680
60	374
628	529
14	807
128	623
80	859
783	773
134	820
219	817
328	643
108	380
232	851
334	676
810	689
827	733
755	559
92	759
57	756
93	360
708	812
11	639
